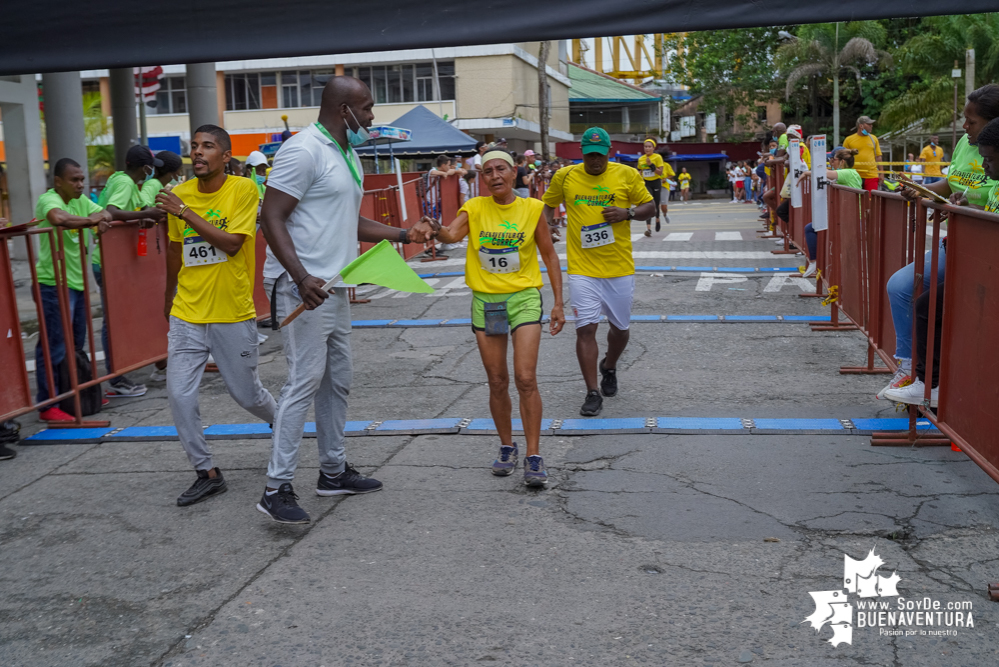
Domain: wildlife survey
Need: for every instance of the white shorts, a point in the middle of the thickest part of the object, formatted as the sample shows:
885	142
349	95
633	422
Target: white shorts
593	297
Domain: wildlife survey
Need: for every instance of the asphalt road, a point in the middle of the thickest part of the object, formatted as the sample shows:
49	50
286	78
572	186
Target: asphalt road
651	549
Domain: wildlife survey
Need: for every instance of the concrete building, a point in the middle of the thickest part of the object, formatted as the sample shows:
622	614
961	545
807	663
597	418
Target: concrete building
486	91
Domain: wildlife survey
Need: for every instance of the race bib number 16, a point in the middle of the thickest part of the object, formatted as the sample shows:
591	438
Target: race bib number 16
594	236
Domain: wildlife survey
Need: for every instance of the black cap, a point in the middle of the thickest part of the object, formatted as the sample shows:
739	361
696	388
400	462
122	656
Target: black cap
171	161
140	156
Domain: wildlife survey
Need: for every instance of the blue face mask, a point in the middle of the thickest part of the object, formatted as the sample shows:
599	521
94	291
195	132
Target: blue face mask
149	176
360	136
773	151
259	179
864	132
933	143
537	163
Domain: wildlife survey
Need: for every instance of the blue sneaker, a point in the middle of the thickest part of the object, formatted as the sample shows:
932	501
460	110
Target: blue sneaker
281	506
507	461
534	471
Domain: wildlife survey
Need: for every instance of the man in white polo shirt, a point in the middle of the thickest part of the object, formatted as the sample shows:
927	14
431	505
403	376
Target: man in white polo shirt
311	218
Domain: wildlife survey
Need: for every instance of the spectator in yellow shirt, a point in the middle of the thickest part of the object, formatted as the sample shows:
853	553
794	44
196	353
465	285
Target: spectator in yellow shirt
932	154
868	153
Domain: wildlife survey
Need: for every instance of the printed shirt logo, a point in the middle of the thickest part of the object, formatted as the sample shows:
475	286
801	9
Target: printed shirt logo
212	215
604	198
508	239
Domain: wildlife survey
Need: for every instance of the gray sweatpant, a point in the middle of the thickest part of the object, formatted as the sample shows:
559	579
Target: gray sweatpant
234	348
317	350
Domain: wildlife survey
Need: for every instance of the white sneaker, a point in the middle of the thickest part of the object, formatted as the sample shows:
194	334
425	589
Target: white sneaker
810	271
913	394
667	218
261	338
158	375
899	380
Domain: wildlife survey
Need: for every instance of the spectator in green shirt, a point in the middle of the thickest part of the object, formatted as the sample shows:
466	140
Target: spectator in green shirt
172	165
256	168
64	208
121	196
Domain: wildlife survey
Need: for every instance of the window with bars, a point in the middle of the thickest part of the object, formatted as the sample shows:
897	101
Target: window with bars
171	97
406	83
242	91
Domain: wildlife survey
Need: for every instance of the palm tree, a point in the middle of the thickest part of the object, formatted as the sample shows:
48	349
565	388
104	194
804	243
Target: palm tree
930	56
816	51
100	156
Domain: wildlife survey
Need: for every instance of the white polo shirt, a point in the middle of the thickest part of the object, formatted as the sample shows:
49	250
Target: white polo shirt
311	168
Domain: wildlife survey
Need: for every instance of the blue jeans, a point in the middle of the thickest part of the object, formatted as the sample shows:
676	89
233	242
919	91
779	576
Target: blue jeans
104	320
929	180
54	334
900	300
812	241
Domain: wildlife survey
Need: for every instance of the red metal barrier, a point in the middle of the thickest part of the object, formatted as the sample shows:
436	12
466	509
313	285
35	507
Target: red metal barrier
969	366
133	296
846	270
15	390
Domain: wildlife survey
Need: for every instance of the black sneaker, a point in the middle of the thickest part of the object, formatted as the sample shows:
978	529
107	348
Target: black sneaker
6	454
281	506
592	405
608	380
349	482
658	226
202	488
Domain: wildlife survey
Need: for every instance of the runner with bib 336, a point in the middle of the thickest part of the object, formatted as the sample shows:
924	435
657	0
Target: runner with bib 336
601	199
501	267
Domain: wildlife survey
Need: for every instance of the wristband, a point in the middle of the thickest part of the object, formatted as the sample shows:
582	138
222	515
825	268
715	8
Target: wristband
180	213
403	236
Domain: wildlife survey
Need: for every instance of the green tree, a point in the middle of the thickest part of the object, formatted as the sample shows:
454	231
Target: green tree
731	69
825	50
928	58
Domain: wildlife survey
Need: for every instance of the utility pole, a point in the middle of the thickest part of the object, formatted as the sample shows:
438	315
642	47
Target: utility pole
969	72
955	74
835	73
543	110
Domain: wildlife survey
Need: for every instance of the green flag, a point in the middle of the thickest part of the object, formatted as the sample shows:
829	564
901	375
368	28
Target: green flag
383	266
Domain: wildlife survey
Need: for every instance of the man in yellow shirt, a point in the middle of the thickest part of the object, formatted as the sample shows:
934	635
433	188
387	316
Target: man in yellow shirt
209	298
601	199
932	155
868	155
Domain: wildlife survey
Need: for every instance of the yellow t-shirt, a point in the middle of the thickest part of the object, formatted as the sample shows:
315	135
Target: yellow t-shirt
869	148
502	254
930	154
585	197
667	174
221	291
647	165
684	180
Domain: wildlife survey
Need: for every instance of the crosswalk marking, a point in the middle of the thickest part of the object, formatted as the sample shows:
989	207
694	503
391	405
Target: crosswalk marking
679	236
728	236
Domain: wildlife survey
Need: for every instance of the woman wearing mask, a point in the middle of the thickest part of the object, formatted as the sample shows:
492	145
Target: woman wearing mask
501	267
965	182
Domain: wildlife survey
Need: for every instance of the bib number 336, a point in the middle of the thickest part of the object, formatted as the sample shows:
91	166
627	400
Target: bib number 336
594	236
198	252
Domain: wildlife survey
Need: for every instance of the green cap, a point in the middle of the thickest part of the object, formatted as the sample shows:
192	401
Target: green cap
596	140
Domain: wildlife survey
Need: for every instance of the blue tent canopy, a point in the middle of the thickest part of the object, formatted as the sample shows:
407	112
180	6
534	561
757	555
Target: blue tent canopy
431	136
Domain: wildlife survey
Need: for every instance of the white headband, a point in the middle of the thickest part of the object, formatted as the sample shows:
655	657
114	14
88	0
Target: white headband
497	155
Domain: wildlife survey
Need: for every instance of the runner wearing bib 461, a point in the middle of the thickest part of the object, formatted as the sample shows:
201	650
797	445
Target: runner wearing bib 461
505	233
601	198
